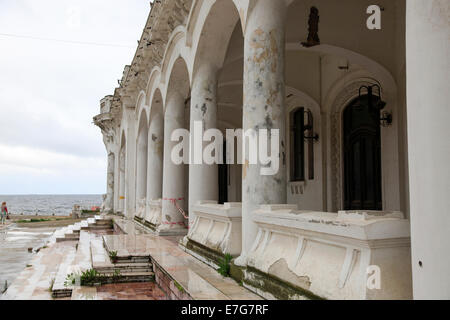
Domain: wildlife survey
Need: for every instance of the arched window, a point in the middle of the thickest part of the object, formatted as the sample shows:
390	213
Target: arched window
302	131
297	125
362	156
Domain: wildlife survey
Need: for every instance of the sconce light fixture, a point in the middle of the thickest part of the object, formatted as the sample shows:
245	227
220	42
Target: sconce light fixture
379	104
386	119
309	126
376	103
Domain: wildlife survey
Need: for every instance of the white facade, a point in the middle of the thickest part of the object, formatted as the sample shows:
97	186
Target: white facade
235	64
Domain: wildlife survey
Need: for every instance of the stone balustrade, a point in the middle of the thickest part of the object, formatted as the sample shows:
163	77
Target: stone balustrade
216	231
330	255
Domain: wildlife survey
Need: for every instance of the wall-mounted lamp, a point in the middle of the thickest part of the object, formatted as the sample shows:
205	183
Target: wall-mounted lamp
376	103
386	119
309	126
379	104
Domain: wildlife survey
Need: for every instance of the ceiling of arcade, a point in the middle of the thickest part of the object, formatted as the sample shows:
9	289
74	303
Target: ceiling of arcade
340	26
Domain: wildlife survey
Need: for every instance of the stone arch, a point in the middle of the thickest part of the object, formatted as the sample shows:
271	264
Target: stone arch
174	51
141	109
214	34
153	85
198	14
179	81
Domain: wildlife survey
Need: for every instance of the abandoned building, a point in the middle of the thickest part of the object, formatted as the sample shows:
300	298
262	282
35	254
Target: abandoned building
361	189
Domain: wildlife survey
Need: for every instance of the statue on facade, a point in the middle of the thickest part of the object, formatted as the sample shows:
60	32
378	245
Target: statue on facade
313	23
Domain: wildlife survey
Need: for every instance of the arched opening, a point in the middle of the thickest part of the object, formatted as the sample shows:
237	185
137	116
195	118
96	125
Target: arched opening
215	101
122	166
155	148
109	203
176	175
362	156
141	161
216	106
230	112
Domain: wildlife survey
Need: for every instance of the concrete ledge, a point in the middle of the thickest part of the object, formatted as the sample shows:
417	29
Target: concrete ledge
271	287
170	286
218	227
203	253
332	255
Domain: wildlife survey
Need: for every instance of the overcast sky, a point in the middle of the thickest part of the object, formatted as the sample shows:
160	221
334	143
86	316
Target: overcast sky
50	90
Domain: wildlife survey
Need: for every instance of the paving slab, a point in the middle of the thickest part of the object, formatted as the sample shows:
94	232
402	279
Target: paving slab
34	282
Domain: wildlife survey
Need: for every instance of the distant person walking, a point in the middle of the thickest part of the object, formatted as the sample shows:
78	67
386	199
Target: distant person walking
4	212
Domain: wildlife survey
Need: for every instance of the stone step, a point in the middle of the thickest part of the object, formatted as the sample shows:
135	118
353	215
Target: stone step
83	223
129	277
103	221
99	256
124	256
132	269
63	239
129	265
69	235
59	290
83	256
123	270
78	260
72	235
96	226
132	260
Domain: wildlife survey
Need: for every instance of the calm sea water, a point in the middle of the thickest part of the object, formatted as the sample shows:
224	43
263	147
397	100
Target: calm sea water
48	204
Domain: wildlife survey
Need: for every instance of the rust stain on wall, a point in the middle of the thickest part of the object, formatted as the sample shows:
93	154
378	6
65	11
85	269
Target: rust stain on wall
245	168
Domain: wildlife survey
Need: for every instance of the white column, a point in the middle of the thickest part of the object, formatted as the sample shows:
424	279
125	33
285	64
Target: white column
428	111
141	166
203	178
155	157
172	221
122	166
116	182
264	99
110	183
130	180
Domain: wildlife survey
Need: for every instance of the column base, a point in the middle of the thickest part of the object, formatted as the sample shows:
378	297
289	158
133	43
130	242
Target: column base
171	230
241	261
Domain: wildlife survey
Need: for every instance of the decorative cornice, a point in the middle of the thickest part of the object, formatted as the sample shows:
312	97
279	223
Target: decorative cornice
164	17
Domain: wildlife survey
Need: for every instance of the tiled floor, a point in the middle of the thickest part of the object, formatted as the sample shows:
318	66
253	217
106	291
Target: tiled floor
131	291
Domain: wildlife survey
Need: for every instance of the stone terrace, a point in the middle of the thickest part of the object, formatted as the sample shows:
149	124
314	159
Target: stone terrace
155	266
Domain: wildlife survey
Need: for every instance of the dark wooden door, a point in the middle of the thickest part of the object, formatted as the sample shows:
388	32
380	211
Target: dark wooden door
362	157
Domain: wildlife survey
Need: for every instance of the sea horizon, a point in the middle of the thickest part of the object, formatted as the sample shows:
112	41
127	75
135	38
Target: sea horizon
50	194
49	204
